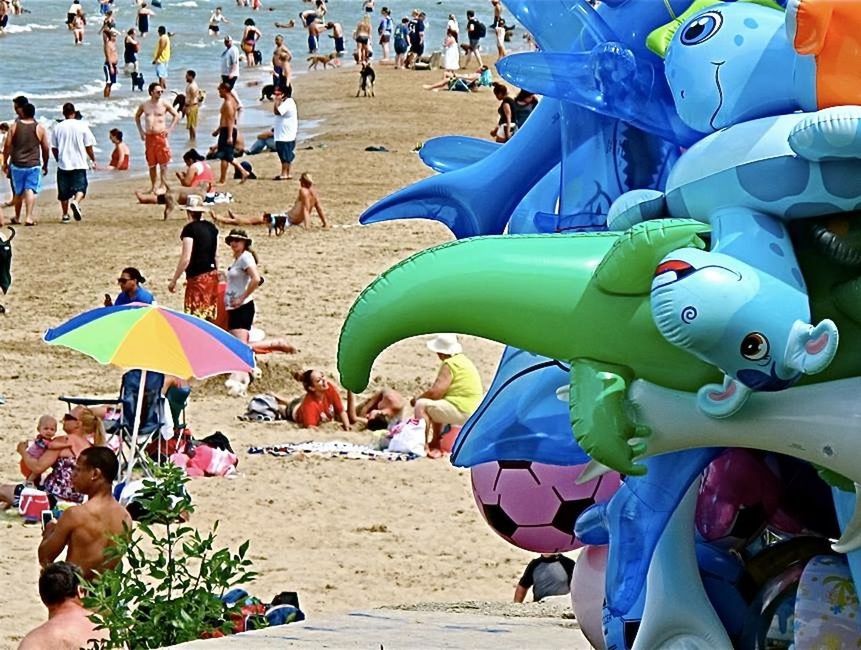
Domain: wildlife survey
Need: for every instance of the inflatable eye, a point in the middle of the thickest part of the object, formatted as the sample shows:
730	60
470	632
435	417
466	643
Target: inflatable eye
754	347
702	29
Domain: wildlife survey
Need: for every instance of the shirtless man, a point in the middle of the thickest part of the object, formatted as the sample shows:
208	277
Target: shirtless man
85	530
4	15
111	59
307	201
156	133
281	57
226	132
192	103
68	624
338	35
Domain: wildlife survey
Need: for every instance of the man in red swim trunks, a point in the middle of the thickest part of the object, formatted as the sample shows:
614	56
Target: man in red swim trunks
155	134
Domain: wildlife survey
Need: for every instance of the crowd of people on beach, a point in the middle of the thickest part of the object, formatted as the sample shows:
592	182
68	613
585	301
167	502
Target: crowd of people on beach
77	468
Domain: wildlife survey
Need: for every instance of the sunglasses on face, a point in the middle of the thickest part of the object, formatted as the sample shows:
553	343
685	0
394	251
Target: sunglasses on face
123	280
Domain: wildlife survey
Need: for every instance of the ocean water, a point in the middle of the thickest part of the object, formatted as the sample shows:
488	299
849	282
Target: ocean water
38	58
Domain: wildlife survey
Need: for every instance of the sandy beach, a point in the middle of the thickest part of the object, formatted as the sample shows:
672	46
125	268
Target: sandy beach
343	533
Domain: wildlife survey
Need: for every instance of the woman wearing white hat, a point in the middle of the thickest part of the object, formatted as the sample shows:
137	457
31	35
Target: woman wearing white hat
455	393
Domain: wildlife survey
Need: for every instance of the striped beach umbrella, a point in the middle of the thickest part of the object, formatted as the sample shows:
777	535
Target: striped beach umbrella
150	337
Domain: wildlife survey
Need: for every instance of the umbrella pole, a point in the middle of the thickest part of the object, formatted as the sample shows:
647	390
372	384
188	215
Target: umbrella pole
136	427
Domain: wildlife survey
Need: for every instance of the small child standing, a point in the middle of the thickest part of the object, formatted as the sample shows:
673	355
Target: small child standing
46	438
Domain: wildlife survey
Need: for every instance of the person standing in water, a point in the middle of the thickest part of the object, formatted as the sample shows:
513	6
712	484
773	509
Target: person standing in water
161	58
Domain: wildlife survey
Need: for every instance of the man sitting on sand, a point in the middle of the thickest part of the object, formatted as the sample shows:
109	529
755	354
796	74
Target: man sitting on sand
306	201
382	410
68	624
86	530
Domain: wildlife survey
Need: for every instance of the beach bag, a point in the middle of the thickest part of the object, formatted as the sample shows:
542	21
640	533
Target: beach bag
408	437
480	29
163	448
262	408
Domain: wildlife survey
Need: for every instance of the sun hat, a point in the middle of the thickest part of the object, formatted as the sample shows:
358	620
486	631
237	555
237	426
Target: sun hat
238	234
445	344
194	203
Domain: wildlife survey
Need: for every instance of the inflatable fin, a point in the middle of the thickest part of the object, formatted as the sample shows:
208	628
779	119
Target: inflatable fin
845	504
593	470
678	613
628	268
636	517
609	80
556	25
536	213
451	152
520	417
470	200
850	540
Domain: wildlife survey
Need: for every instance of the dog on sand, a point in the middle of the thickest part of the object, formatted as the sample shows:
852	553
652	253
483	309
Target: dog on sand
326	59
367	77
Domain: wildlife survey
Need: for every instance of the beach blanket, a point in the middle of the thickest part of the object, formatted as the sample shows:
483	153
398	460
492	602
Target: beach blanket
330	449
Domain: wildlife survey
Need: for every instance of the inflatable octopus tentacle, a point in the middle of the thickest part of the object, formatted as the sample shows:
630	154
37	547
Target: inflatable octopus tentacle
490	287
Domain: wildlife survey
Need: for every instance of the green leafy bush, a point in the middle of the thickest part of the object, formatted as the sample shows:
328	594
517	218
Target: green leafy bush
167	588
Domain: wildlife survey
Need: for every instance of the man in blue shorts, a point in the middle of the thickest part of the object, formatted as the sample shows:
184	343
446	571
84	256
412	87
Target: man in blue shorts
111	60
286	129
25	159
416	31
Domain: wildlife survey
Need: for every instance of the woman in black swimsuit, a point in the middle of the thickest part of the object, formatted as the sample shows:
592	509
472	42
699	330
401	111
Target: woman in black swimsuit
506	126
143	19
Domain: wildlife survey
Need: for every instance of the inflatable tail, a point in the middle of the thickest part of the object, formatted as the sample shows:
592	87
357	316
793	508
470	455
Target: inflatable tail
520	290
479	199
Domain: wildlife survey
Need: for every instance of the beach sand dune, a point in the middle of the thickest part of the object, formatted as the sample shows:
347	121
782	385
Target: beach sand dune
344	534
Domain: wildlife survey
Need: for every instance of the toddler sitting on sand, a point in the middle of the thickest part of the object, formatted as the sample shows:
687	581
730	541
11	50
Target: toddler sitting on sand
46	438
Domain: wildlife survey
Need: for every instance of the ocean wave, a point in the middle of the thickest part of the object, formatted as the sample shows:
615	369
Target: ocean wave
198	44
106	112
87	90
30	27
187	3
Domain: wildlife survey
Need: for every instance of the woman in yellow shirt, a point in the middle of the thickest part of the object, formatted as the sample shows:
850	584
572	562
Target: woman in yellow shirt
455	393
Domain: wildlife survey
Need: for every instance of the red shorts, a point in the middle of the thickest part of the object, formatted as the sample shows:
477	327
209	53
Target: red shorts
157	149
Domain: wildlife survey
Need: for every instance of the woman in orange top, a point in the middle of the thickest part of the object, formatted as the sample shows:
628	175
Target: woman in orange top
120	154
321	402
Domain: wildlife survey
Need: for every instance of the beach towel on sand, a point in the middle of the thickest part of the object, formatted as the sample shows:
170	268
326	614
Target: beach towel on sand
330	449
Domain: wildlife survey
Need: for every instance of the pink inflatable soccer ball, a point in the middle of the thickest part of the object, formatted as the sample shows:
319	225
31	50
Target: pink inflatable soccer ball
534	505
